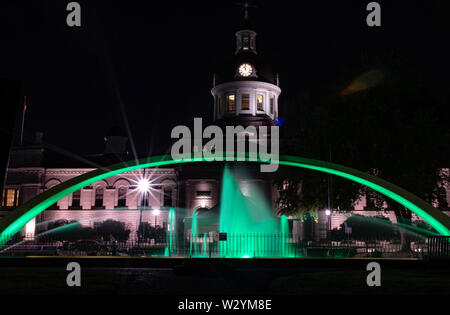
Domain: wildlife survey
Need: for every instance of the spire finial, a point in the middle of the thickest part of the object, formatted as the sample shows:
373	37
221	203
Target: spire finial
246	4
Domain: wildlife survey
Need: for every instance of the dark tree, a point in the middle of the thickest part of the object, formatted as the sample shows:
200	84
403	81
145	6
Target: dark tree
113	228
63	230
382	118
147	232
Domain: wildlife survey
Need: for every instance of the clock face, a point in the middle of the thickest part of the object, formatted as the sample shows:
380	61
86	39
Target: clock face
245	70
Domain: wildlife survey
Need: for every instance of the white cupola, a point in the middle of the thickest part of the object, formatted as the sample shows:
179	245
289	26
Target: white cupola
246	89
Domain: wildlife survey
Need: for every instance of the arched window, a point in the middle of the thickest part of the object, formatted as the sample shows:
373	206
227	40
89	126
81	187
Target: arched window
230	103
99	197
260	102
246	42
167	197
122	200
144	199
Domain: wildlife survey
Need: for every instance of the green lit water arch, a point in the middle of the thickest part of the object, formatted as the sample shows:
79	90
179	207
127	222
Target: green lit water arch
18	218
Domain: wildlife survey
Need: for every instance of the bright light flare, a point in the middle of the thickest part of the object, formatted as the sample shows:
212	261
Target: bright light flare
156	212
144	185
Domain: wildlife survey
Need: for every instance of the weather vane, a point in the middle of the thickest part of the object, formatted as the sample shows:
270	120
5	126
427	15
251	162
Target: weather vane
245	6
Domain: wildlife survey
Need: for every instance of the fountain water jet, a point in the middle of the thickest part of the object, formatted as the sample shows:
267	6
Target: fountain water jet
194	229
248	220
171	227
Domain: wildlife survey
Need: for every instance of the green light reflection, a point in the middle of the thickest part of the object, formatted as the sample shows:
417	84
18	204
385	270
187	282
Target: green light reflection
18	218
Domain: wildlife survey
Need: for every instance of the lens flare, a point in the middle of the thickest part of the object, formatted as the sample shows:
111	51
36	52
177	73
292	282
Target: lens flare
363	82
144	185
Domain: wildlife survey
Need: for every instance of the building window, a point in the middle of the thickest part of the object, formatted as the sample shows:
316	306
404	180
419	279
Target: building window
260	102
203	193
10	198
272	105
220	106
167	197
231	103
99	197
246	42
122	199
245	102
144	199
76	199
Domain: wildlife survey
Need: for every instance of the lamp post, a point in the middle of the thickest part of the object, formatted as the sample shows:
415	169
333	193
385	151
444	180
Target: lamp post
328	213
144	188
156	213
158	237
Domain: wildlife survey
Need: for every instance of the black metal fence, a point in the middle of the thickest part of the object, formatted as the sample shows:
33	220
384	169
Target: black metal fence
233	246
439	248
276	245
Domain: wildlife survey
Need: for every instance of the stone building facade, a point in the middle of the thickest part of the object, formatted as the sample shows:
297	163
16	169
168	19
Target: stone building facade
245	92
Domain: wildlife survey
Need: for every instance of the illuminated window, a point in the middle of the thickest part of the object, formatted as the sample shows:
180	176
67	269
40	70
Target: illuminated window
245	102
99	197
272	102
122	200
10	198
230	103
76	199
259	102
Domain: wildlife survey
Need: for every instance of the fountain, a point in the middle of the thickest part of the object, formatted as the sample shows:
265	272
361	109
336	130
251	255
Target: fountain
171	235
205	241
251	227
194	228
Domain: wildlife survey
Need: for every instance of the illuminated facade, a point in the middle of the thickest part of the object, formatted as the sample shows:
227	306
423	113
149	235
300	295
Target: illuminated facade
245	93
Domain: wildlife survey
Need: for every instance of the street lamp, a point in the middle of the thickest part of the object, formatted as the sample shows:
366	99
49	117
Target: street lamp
156	213
144	185
144	188
328	213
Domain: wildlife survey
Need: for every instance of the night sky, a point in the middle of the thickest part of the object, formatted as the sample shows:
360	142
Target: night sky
158	60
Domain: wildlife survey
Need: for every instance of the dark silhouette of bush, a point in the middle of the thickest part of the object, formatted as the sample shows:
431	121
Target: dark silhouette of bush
146	232
116	229
366	228
63	230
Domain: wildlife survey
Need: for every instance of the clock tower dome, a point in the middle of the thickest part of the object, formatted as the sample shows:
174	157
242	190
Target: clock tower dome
246	90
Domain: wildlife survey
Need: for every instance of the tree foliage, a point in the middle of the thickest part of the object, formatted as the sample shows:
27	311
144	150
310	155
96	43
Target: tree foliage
113	228
394	128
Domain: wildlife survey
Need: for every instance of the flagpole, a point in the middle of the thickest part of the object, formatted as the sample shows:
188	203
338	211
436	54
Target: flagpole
23	119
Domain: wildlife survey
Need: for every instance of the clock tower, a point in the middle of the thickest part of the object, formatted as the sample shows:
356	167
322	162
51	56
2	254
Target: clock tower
246	90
